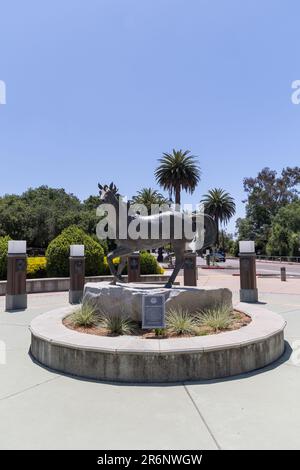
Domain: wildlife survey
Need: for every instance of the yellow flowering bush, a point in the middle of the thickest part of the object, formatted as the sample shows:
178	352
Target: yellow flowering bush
149	265
36	267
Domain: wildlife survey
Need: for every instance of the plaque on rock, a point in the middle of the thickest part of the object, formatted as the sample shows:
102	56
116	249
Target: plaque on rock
153	314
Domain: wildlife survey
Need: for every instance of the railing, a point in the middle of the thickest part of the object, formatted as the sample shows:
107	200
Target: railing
279	259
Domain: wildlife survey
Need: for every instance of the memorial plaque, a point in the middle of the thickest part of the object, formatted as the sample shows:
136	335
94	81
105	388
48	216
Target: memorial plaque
79	266
20	265
134	263
189	262
153	313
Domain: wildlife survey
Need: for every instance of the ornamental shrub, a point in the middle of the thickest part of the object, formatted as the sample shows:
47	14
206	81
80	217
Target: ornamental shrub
36	267
149	265
58	253
3	255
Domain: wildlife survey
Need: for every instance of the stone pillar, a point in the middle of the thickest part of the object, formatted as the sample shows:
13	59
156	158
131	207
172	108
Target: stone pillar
16	296
134	267
248	291
77	273
190	269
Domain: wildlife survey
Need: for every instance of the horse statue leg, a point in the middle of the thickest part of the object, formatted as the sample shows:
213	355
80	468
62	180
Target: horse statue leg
121	252
179	259
121	266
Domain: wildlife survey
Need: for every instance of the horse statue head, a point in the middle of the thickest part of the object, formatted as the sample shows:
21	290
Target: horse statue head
108	193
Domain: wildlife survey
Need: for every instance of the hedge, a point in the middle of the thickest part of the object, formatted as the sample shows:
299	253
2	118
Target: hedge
58	253
3	256
149	265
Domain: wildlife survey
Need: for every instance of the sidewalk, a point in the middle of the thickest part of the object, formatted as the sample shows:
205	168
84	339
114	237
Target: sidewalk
40	409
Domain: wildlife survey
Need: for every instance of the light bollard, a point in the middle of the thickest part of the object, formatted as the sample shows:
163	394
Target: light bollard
283	274
248	290
16	296
134	267
77	273
190	269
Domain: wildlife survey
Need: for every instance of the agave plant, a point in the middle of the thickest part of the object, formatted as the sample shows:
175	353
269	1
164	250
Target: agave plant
85	316
117	324
216	318
180	322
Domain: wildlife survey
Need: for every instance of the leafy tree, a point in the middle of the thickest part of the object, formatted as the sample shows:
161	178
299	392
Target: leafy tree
220	205
284	239
39	215
227	242
270	192
267	193
3	256
178	171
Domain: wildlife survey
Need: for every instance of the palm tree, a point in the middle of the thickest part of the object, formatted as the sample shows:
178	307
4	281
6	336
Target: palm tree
178	170
220	205
149	197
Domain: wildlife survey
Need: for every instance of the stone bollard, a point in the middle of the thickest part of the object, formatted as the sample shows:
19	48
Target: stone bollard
77	273
248	290
190	269
134	267
283	274
16	296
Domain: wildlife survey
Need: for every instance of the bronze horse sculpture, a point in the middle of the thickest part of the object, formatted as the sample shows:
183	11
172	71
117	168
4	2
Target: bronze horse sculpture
109	195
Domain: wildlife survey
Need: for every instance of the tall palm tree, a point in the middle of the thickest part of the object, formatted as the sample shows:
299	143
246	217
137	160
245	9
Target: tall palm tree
149	197
220	205
178	171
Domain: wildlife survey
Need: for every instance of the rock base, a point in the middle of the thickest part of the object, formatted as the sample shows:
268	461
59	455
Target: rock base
126	299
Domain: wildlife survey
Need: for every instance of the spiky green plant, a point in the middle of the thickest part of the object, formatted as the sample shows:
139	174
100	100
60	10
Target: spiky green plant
180	322
216	318
160	331
85	316
117	324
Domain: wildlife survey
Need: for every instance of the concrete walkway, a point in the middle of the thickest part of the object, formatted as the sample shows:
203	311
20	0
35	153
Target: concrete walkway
40	409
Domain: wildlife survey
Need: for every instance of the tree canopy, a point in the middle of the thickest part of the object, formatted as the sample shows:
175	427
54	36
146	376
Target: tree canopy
267	194
39	215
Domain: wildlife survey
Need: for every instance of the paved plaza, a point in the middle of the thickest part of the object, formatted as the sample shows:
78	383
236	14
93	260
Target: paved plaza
40	409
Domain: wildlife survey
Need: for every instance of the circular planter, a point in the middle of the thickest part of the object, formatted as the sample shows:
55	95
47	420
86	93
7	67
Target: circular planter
133	359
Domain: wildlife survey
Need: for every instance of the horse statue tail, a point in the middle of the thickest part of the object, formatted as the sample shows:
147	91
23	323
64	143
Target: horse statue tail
206	233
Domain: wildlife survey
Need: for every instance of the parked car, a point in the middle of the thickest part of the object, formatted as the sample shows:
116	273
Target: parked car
218	256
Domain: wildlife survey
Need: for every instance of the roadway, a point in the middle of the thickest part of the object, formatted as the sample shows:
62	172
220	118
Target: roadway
262	267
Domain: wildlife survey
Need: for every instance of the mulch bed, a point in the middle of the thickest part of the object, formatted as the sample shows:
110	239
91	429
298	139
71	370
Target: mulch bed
239	320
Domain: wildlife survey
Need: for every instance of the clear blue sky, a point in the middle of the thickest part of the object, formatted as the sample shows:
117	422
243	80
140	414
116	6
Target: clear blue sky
98	89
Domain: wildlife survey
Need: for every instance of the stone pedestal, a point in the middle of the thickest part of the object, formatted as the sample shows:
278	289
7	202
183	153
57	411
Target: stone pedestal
77	279
248	290
16	297
127	299
190	269
134	267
